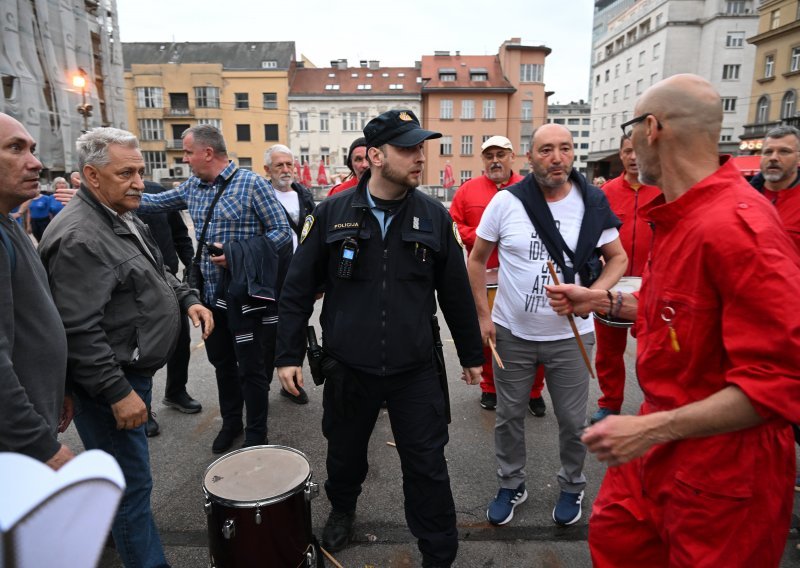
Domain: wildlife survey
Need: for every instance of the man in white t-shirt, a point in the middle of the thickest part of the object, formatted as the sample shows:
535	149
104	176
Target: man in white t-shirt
524	327
297	200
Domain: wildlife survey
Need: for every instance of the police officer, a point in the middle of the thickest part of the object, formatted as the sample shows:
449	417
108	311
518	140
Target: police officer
381	251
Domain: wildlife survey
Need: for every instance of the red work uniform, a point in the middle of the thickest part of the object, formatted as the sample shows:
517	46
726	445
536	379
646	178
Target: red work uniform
787	203
352	182
467	208
636	237
726	276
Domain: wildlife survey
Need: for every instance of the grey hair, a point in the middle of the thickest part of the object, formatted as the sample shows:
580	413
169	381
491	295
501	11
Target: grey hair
208	136
783	130
280	148
93	146
59	180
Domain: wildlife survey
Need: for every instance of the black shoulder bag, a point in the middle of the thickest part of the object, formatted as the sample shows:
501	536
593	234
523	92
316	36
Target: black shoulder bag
194	276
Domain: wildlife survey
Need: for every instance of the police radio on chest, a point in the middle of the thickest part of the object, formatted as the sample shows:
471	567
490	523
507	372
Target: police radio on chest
347	258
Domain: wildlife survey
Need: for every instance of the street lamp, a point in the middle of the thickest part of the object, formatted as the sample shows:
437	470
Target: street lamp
84	109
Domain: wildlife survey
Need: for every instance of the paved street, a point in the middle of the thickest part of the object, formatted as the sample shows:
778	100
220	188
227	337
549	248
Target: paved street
182	452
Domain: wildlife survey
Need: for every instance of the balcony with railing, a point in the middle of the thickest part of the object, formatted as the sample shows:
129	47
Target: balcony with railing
759	129
178	111
174	144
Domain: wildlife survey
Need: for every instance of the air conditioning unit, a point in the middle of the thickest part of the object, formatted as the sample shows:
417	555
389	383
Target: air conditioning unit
180	171
160	173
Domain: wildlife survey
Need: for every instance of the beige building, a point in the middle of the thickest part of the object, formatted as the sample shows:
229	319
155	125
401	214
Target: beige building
469	98
776	81
241	88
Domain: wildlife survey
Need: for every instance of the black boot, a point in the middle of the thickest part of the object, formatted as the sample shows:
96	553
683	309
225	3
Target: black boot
338	531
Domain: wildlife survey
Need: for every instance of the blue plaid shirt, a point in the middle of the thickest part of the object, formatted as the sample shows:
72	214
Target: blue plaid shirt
247	208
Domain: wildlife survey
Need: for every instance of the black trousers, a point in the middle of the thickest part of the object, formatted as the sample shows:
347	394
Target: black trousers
416	412
243	370
178	364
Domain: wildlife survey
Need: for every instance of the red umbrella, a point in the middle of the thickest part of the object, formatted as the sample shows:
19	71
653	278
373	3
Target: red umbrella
449	180
298	175
306	175
322	175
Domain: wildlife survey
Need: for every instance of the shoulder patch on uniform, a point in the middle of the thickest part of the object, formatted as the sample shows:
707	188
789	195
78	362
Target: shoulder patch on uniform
457	235
307	227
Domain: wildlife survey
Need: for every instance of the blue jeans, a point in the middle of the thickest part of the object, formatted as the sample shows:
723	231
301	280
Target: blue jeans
134	529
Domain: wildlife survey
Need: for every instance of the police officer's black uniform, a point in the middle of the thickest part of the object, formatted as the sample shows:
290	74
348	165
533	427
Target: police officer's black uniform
377	323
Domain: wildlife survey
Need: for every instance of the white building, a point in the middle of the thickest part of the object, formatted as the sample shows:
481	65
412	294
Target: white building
329	107
576	117
640	42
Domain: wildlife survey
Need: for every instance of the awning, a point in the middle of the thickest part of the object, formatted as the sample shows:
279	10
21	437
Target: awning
748	165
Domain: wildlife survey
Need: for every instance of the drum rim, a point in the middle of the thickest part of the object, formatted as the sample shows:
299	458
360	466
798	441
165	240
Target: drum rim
214	498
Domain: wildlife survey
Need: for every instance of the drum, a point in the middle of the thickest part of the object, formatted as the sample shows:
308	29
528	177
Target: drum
258	505
626	285
491	285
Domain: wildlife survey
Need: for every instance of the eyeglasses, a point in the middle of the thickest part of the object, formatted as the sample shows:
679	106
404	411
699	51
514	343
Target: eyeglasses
627	127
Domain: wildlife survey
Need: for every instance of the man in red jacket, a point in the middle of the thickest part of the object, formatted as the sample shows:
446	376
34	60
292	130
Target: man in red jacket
626	195
358	164
466	210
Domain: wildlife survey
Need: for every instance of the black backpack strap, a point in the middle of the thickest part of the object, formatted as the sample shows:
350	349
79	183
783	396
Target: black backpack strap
12	253
202	240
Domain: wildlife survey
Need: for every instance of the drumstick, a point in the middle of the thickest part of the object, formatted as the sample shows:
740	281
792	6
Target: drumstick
572	323
330	558
496	356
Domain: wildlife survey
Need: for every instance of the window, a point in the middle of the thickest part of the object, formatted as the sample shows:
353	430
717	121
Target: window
734	39
466	145
153	160
789	104
596	80
447	75
729	104
769	66
525	145
215	122
639	85
353	121
364	87
626	91
628	63
605	99
206	97
304	156
325	155
446	146
730	72
575	132
395	86
9	84
270	100
762	110
657	51
478	74
613	121
150	97
179	104
585	145
616	70
332	87
270	132
527	110
573	121
735	7
269	64
641	58
246	163
242	101
794	64
774	19
603	123
531	73
302	121
151	129
485	137
559	121
243	132
615	96
608	75
324	122
465	175
446	109
659	18
654	78
488	109
726	135
467	109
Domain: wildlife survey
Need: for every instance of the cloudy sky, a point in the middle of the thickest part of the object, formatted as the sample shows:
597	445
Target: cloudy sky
395	33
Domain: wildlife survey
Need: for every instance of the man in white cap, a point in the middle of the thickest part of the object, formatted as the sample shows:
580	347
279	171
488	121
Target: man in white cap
466	210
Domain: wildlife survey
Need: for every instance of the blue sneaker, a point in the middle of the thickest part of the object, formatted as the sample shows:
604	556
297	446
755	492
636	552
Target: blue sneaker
501	510
602	413
568	508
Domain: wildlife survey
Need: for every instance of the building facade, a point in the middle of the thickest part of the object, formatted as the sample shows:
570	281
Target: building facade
46	45
469	98
577	116
776	83
329	107
240	87
640	42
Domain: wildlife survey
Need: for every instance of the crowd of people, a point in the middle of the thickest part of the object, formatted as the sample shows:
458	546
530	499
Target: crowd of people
704	474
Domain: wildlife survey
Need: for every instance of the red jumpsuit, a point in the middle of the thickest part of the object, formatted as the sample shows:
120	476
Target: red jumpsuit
352	182
726	274
636	236
466	210
787	202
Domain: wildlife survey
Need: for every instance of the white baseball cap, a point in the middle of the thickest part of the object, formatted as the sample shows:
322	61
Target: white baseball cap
499	141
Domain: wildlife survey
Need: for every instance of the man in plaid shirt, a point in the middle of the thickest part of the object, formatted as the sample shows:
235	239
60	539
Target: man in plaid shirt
246	209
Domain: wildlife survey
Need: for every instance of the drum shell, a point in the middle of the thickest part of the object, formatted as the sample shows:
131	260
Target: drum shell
282	538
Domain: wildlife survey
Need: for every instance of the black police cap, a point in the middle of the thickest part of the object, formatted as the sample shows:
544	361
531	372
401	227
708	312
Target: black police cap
398	128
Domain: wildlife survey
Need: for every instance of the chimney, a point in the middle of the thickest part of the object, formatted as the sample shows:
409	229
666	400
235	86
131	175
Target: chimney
374	64
363	63
342	64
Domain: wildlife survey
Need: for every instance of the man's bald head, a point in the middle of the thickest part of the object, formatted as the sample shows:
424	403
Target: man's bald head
688	103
